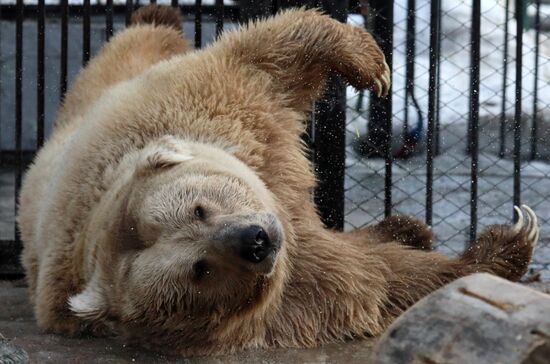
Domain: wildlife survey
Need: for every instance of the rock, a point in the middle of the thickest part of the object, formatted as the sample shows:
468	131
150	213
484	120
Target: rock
477	319
11	354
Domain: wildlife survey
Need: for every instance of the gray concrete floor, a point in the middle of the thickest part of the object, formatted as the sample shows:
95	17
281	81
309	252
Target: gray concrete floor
18	327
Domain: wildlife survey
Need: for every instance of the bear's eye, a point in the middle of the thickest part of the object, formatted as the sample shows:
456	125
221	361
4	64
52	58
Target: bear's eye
199	212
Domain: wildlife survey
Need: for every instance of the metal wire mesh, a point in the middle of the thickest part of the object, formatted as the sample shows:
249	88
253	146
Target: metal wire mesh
452	173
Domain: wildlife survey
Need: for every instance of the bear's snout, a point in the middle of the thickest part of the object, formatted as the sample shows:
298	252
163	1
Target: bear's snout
255	244
255	239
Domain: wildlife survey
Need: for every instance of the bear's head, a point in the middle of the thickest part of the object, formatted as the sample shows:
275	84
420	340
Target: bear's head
187	239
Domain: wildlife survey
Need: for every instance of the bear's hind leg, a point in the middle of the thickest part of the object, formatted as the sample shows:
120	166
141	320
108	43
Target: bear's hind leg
502	250
406	230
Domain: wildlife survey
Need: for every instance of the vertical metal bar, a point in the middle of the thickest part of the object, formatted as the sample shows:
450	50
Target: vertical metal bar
18	99
378	141
129	11
152	2
174	3
517	115
437	134
1	79
275	6
86	32
329	156
474	112
387	102
40	74
255	9
504	82
198	23
534	128
434	30
109	20
329	126
409	54
219	17
64	48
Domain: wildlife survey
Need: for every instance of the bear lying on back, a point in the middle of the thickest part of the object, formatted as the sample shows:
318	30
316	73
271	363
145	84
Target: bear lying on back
172	204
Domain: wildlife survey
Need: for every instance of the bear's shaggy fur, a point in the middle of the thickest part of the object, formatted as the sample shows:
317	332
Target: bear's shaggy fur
133	213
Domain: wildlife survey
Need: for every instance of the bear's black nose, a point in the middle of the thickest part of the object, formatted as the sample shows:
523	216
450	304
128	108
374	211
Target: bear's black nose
255	244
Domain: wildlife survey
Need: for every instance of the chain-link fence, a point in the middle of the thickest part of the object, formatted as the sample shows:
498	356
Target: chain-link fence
510	160
440	124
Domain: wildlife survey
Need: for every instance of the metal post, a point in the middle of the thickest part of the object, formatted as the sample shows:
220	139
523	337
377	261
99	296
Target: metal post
474	113
434	30
374	143
437	129
129	10
198	23
109	20
219	17
517	115
64	48
409	71
86	33
18	93
329	156
255	9
504	82
16	247
40	74
378	139
534	127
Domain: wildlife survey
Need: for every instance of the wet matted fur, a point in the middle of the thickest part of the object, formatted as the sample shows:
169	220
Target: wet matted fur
163	157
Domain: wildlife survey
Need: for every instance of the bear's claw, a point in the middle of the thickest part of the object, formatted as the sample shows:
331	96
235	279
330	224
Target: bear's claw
530	226
382	83
386	77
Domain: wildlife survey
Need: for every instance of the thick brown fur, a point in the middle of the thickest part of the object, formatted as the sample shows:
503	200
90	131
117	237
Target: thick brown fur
406	230
158	152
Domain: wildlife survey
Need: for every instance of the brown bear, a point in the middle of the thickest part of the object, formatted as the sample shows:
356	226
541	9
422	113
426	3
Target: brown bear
172	204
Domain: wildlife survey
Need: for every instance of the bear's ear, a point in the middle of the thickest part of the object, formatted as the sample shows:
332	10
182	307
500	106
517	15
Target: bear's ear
90	304
164	153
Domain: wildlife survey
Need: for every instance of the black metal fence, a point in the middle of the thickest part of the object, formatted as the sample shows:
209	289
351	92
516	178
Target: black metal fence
445	146
470	108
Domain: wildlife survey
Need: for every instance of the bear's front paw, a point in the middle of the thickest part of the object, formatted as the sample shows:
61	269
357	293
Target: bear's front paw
506	250
363	63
